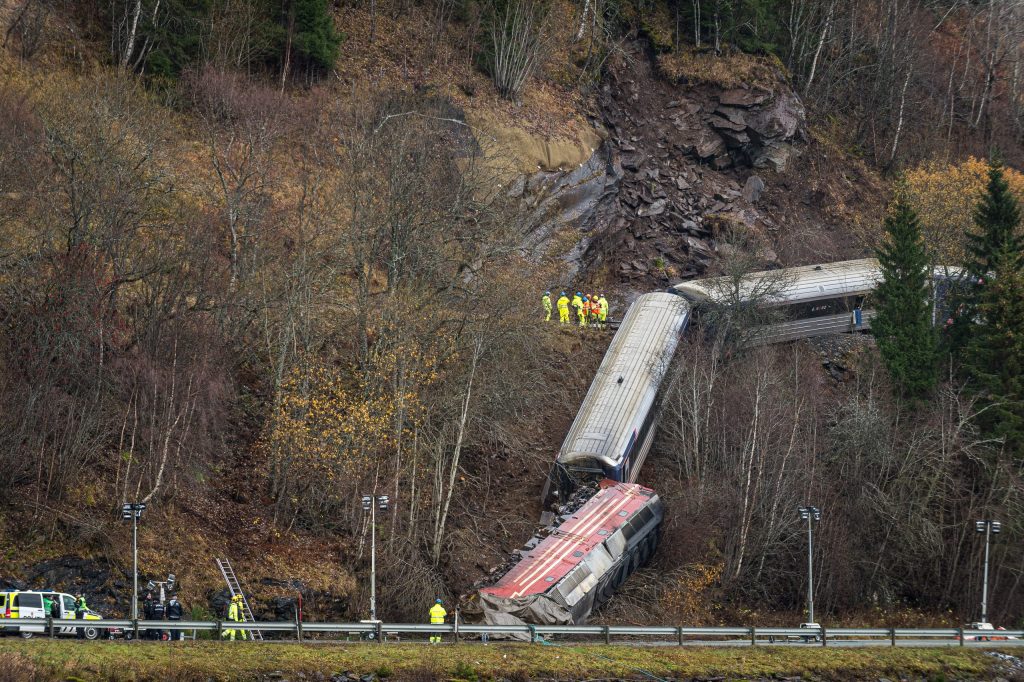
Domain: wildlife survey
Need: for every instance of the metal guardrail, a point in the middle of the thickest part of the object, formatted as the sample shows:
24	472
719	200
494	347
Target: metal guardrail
662	634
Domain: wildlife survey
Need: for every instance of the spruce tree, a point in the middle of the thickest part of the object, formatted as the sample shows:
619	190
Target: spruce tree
993	357
997	218
988	337
903	318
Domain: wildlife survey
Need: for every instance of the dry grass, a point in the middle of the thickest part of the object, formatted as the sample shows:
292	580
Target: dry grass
411	52
694	67
237	661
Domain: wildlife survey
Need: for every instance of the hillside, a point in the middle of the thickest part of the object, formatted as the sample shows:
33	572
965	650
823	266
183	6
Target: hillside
259	261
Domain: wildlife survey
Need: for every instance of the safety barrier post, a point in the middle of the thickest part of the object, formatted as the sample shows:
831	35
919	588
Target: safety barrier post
680	631
960	632
380	632
892	635
533	635
824	637
49	625
135	629
298	629
456	626
607	635
753	637
220	630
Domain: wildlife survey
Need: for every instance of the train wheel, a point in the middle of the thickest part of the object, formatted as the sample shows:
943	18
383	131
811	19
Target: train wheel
646	550
622	574
635	561
606	591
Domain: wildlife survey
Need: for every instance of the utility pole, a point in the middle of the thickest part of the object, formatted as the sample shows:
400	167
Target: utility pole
372	503
988	527
133	510
811	514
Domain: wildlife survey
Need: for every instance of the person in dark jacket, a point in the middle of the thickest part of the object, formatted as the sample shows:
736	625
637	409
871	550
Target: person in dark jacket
174	612
148	614
158	614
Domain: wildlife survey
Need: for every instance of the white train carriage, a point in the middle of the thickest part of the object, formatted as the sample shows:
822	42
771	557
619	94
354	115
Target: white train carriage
818	299
614	427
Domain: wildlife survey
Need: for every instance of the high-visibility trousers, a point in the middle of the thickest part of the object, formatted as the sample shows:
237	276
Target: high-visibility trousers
583	317
230	634
547	312
563	315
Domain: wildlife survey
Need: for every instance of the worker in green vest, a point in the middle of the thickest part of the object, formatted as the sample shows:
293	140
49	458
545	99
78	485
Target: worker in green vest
80	609
546	302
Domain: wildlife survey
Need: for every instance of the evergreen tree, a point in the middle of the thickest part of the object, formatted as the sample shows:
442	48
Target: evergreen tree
997	217
902	323
316	38
988	334
993	357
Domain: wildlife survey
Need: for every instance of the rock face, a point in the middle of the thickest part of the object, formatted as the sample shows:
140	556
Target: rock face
680	169
687	156
678	165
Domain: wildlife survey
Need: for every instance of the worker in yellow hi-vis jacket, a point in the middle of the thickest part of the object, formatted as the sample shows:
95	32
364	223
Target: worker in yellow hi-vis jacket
437	615
235	615
563	309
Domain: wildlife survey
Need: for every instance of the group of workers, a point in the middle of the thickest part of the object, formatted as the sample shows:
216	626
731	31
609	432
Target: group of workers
236	614
154	609
589	309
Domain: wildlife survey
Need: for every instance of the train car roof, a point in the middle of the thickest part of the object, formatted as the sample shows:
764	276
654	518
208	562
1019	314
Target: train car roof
627	381
554	556
789	285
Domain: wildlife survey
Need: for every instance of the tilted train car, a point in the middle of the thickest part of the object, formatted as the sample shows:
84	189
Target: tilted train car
817	299
582	562
614	427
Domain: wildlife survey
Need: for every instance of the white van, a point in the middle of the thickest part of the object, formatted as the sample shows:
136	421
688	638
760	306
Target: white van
30	605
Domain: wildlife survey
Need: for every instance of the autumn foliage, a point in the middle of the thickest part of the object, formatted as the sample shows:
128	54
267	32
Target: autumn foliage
944	196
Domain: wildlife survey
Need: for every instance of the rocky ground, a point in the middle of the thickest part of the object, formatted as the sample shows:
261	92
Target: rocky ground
687	171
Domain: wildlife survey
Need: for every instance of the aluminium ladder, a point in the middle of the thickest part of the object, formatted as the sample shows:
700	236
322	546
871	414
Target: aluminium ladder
235	587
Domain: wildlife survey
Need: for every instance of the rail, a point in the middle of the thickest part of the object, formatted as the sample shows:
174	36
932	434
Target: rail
637	635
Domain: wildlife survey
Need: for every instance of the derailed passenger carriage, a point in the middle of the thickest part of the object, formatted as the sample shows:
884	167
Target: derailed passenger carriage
581	563
814	299
614	428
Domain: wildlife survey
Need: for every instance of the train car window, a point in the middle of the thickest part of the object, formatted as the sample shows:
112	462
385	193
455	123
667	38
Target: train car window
615	544
627	531
827	306
598	561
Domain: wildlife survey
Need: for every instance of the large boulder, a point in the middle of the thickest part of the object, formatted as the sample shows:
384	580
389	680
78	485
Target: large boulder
781	119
